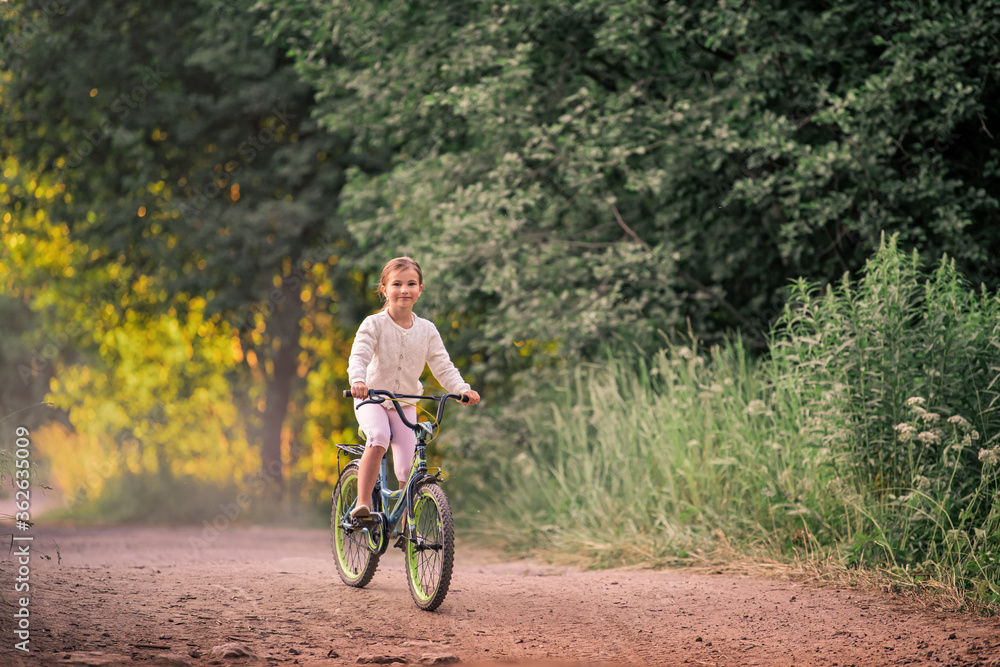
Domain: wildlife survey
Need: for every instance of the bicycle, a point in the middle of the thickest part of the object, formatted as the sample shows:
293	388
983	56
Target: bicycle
427	538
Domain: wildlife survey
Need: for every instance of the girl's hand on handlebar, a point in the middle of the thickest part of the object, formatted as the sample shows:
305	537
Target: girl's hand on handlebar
359	390
473	397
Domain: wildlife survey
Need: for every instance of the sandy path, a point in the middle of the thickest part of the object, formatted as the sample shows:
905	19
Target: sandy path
148	596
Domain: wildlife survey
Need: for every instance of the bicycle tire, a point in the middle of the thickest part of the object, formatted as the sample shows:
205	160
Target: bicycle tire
429	562
356	562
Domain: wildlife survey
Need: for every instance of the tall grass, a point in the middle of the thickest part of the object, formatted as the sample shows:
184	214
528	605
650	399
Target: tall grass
904	369
669	458
869	435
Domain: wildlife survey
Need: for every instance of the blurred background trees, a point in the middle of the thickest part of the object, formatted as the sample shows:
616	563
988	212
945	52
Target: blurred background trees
163	173
599	168
197	198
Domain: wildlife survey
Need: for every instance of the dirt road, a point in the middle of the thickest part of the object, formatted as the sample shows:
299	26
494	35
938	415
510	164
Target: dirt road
158	596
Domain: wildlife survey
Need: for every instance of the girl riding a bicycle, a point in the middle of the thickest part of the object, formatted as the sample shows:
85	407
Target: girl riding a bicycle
390	351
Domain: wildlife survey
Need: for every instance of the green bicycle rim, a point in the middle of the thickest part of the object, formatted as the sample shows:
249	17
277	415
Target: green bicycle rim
427	564
353	555
412	560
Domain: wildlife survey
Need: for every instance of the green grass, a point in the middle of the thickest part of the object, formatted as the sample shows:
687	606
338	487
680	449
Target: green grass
668	459
867	439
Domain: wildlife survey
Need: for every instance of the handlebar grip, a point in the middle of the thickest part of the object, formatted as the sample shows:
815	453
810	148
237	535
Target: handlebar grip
347	393
464	399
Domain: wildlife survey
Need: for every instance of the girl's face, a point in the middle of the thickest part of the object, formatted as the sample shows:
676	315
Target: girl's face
402	288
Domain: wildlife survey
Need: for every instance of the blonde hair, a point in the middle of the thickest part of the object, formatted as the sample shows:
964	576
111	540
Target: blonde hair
391	267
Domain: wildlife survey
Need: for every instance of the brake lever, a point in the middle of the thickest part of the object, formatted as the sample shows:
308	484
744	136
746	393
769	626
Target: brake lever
373	400
372	397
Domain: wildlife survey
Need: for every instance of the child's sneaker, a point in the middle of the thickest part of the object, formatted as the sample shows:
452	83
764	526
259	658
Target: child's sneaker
360	512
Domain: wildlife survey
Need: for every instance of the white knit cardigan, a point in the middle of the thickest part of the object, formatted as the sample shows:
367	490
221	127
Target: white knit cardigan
387	356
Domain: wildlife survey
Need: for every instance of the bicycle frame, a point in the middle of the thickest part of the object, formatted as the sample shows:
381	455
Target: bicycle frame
402	498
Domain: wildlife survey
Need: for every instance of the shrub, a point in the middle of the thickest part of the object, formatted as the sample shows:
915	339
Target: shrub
902	369
869	433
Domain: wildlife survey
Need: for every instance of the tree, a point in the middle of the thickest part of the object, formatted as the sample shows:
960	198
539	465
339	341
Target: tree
579	170
184	154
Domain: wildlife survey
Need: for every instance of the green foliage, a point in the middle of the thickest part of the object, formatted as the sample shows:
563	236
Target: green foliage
900	373
628	167
870	433
665	459
180	149
861	351
174	153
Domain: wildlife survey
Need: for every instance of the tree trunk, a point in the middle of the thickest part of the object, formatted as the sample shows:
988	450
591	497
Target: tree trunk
283	327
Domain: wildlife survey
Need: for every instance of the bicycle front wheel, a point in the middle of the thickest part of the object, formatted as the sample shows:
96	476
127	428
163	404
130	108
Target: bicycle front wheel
356	562
430	558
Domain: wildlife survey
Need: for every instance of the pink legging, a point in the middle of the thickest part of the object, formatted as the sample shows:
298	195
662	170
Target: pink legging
383	427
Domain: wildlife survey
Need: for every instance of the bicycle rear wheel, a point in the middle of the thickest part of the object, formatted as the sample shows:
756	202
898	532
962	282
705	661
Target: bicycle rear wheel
429	560
356	562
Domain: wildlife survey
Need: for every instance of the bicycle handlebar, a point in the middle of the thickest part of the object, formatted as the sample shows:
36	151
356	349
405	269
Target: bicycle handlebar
382	395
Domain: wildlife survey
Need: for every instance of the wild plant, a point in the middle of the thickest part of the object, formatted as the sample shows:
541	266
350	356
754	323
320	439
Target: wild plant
869	433
901	371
